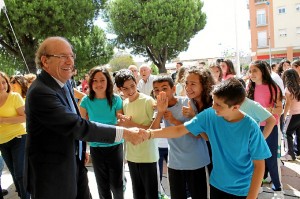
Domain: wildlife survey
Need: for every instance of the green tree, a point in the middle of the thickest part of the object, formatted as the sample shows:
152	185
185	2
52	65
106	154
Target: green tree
92	50
120	62
9	64
34	20
156	29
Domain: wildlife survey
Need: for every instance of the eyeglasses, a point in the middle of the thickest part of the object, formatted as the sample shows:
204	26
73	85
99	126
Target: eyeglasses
64	57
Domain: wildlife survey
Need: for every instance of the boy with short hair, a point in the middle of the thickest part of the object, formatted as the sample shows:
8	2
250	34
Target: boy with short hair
238	146
188	155
142	159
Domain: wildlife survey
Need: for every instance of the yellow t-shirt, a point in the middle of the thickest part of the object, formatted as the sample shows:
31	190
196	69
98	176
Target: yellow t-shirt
141	112
9	109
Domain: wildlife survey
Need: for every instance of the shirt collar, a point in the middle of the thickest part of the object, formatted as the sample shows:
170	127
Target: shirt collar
59	82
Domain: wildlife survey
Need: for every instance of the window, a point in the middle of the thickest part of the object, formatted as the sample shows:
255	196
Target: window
261	18
281	10
262	39
298	30
298	7
260	1
282	33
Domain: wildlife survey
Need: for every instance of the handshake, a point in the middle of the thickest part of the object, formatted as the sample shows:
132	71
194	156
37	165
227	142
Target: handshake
136	135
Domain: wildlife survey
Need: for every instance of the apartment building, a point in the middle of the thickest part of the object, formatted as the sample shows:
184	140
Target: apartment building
275	29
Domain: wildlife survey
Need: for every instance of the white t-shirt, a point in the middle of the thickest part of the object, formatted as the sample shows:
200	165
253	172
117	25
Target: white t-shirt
278	81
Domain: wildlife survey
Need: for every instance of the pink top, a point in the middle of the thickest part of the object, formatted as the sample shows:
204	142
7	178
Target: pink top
295	105
262	95
228	76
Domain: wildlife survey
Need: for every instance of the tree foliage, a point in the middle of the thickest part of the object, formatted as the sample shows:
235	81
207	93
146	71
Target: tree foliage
34	20
92	50
156	29
9	64
120	62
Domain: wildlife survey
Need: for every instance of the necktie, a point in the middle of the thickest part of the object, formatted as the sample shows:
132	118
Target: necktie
70	101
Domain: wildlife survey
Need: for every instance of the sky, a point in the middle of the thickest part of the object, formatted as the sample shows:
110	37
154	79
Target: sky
219	33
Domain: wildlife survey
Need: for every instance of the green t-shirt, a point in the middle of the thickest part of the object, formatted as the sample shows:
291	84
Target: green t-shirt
141	112
99	111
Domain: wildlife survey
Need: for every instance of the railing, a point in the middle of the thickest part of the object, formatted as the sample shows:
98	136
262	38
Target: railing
260	1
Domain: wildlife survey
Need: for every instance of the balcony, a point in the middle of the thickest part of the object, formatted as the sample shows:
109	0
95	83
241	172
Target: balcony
260	1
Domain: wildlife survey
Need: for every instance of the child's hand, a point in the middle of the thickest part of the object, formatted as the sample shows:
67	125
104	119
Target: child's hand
169	116
162	102
124	120
188	111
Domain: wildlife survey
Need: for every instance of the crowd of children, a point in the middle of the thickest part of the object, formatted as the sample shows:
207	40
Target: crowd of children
222	132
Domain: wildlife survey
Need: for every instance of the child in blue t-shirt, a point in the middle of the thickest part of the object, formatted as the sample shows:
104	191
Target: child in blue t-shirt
238	146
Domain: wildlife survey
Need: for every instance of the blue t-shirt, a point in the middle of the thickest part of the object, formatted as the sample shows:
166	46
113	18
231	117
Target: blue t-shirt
255	110
186	152
234	146
99	111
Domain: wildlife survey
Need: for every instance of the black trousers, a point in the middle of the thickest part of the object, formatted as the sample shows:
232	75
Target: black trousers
193	180
218	194
83	190
293	127
108	168
144	179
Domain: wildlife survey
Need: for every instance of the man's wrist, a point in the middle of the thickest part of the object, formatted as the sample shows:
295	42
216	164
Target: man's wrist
120	133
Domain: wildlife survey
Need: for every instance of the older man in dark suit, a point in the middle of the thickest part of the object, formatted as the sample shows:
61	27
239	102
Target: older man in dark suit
54	126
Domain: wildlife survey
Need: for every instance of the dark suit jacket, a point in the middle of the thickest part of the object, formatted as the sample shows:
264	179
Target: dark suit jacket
52	127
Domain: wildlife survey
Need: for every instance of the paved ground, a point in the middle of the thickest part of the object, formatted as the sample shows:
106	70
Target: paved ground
290	180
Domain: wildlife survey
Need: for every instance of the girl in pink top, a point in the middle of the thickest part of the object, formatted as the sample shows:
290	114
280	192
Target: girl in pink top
265	91
291	81
227	68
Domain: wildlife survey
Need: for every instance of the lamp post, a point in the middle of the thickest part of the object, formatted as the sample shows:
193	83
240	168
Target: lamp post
237	51
269	30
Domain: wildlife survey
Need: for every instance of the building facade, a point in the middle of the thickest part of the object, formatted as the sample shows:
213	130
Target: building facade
275	29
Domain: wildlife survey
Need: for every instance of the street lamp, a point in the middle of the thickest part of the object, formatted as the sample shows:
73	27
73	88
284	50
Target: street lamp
269	30
237	51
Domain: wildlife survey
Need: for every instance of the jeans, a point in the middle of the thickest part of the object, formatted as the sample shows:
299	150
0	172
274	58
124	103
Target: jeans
13	153
271	162
163	155
1	168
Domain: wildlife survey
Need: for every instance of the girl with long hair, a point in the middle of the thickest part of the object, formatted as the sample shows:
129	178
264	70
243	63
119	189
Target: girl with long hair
227	69
265	91
216	72
179	82
19	85
198	85
102	105
291	82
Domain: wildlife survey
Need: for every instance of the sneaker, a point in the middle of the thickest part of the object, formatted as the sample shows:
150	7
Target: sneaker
162	196
4	192
287	157
267	180
298	157
124	184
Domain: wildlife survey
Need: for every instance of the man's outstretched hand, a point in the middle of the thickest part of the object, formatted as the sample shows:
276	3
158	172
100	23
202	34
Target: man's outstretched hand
135	135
